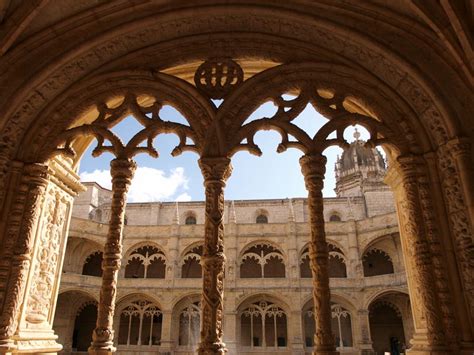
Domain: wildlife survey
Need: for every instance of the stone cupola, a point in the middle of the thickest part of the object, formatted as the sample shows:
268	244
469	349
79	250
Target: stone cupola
359	169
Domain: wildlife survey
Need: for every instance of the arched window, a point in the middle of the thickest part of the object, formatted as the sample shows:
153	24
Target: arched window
262	260
189	325
146	262
93	264
334	218
336	263
191	263
84	324
261	218
190	220
140	324
377	262
341	325
263	324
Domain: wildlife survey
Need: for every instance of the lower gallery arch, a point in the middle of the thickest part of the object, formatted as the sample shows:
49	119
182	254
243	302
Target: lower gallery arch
74	320
139	320
391	323
263	325
342	315
186	322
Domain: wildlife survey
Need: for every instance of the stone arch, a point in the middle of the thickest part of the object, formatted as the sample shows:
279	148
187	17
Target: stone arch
389	244
139	321
343	315
186	319
390	320
335	216
261	216
190	217
377	262
263	322
145	260
262	259
190	261
78	249
70	304
93	264
337	261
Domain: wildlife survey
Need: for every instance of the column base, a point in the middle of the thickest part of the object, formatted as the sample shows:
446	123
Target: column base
212	349
31	342
421	346
109	350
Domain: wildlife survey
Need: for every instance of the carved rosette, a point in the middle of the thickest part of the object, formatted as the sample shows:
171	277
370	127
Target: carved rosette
460	221
19	241
313	168
215	171
122	171
419	251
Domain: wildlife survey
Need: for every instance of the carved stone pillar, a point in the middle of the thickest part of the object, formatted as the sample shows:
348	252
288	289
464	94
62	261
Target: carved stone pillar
36	242
215	171
428	337
457	181
365	339
122	171
167	343
18	248
313	168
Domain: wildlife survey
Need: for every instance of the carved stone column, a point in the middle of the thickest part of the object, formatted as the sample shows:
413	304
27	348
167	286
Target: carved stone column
122	171
365	340
313	168
429	337
215	171
18	247
456	169
37	239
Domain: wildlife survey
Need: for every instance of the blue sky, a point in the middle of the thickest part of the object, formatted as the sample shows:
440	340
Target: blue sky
168	178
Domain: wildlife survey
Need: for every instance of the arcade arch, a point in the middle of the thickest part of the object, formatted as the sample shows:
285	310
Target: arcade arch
262	260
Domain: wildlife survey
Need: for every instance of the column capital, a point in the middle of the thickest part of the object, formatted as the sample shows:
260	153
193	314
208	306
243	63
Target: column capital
122	168
459	146
215	169
410	164
313	167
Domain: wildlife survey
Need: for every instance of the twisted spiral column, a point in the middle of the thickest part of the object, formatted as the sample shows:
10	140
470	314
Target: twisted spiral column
313	168
215	171
122	171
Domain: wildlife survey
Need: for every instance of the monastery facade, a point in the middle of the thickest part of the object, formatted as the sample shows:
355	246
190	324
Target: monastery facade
268	287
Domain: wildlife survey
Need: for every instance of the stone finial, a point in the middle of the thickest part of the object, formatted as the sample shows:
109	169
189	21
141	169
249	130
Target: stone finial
291	211
232	215
176	214
356	134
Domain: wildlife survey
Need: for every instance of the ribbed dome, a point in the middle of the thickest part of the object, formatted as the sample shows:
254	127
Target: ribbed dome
357	156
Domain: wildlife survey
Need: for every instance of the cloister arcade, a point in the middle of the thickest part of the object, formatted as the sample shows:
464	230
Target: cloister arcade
70	73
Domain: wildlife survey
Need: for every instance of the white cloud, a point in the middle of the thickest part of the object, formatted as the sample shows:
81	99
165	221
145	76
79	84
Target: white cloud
184	197
148	184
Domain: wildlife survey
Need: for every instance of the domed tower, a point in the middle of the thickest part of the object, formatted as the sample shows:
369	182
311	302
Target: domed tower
359	173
